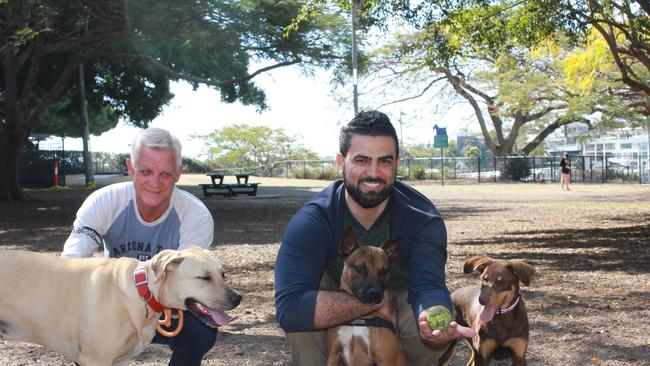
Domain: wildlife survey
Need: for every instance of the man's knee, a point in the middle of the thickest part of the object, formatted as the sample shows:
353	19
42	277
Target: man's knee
307	348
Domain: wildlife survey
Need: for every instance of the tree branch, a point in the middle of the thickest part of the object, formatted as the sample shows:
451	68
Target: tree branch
53	93
453	80
153	62
549	129
413	96
545	111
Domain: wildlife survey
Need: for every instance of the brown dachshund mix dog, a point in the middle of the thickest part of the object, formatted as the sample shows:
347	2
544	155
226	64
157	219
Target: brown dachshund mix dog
373	339
495	310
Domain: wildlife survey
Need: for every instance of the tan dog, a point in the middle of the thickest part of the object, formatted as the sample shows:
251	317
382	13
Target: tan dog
372	340
495	310
89	309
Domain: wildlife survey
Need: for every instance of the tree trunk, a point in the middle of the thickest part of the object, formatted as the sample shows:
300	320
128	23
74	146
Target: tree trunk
11	143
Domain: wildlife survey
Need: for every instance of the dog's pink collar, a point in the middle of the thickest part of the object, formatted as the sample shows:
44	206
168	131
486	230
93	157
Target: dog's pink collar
511	307
141	283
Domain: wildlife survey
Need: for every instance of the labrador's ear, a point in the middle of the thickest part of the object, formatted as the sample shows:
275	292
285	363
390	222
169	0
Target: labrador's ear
166	261
476	263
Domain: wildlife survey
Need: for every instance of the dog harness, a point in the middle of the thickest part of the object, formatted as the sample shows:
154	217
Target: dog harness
376	322
141	283
511	307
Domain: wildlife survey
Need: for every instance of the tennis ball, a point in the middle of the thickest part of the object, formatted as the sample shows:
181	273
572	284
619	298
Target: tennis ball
438	317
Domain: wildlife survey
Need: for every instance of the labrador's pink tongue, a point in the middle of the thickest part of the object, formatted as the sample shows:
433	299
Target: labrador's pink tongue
488	313
220	317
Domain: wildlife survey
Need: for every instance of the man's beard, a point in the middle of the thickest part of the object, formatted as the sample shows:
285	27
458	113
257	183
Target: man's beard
370	199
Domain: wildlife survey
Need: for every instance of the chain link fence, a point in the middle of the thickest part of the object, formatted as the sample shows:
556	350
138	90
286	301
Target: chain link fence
36	168
479	169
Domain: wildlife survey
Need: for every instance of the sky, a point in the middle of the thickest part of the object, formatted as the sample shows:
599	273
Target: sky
301	105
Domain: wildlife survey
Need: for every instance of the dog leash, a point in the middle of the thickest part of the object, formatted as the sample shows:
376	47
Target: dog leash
372	322
142	285
511	307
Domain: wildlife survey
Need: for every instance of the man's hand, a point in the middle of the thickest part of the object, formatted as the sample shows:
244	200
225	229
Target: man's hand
438	338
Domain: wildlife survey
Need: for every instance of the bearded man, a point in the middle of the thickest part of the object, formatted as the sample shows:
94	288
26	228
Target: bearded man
378	208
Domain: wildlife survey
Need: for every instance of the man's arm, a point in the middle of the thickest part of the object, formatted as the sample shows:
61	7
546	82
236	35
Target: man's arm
307	246
82	242
428	285
336	307
86	236
427	261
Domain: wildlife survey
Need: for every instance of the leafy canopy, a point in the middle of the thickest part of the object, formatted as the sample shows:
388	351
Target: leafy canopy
240	145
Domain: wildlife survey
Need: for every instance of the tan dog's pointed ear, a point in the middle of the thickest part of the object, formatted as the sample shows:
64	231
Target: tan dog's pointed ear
391	248
523	271
166	260
348	243
476	263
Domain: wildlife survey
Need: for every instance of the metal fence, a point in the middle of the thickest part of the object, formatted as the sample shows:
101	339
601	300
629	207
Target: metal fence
36	167
479	169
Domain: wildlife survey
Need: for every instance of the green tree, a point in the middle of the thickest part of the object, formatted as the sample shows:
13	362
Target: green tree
62	119
519	95
131	52
624	25
417	151
243	146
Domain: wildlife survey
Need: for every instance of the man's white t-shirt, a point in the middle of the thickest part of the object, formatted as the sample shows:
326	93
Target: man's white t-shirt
109	218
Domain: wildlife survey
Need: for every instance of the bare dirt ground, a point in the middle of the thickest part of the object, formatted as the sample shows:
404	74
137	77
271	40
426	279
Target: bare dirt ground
588	304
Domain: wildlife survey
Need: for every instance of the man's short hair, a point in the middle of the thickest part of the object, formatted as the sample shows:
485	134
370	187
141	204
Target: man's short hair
367	123
156	138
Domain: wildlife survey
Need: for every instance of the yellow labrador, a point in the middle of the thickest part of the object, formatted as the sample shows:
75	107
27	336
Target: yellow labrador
90	310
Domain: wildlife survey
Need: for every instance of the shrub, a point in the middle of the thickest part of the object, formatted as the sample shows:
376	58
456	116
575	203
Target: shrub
418	173
330	173
515	169
194	166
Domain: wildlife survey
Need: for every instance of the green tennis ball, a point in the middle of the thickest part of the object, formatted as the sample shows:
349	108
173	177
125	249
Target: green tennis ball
438	317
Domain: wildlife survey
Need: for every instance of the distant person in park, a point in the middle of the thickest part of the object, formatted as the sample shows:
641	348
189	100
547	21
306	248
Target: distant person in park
140	218
565	167
378	208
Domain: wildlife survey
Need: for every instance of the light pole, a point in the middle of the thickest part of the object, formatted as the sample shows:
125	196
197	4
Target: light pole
401	138
355	97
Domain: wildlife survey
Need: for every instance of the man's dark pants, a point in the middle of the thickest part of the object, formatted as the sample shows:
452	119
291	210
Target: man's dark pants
191	344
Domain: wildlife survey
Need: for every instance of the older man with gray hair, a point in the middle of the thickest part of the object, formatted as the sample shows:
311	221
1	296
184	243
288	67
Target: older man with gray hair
140	218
